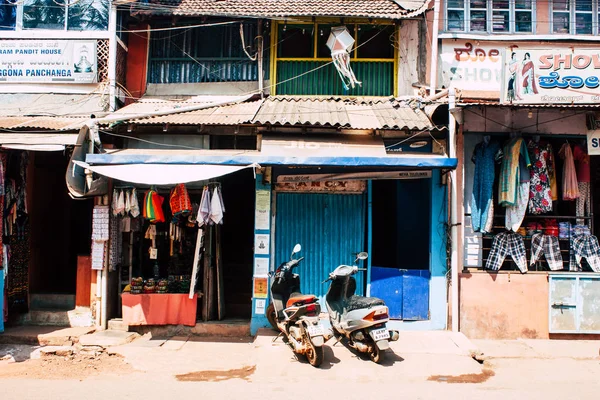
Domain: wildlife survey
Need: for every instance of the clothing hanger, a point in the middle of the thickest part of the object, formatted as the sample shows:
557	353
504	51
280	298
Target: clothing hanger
486	139
536	138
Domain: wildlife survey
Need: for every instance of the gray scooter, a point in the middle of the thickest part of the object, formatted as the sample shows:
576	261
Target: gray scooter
361	320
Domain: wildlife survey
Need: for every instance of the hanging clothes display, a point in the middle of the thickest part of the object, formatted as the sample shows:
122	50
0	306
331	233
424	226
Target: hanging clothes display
507	243
583	182
180	202
587	246
204	209
482	204
16	229
549	247
216	207
542	165
570	188
153	207
514	182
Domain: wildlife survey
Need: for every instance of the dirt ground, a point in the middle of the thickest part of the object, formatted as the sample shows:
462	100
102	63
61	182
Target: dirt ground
68	367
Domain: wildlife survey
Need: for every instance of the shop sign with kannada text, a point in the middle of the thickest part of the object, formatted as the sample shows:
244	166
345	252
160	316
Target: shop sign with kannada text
551	76
48	61
470	65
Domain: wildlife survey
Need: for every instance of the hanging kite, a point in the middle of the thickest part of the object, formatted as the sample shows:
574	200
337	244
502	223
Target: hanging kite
340	43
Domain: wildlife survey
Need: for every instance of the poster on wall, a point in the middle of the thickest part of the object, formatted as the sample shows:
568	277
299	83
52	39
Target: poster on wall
261	288
55	61
262	213
549	76
261	266
261	241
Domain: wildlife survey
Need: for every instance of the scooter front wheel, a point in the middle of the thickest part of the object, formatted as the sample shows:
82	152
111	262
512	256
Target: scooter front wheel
376	354
314	354
272	316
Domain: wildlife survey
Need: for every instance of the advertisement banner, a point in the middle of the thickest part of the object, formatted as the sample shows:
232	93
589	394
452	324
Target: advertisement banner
49	61
551	76
470	65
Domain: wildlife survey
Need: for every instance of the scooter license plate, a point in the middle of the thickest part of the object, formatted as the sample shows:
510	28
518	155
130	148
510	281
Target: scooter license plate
315	330
380	334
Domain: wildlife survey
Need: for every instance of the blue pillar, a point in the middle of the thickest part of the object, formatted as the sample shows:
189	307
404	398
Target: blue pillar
262	253
438	287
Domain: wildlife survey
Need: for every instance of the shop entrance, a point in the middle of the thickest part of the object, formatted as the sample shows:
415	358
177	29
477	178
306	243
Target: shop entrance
60	231
400	255
237	241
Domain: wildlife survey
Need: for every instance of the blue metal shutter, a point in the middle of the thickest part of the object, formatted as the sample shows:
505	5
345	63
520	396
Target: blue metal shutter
331	230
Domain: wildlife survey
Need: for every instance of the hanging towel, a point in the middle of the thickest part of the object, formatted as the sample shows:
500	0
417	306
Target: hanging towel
204	210
221	199
569	186
115	202
216	208
127	202
135	206
121	203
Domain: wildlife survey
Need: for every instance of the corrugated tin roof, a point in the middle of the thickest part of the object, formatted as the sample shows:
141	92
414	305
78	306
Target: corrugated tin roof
234	114
52	105
385	9
339	112
50	123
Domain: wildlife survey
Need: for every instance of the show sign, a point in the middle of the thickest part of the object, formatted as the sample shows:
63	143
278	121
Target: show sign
48	61
471	66
550	76
593	142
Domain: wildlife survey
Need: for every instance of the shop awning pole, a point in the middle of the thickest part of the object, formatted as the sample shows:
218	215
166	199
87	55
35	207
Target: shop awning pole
453	211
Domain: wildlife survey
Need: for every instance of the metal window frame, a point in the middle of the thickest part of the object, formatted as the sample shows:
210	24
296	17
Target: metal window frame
572	13
489	25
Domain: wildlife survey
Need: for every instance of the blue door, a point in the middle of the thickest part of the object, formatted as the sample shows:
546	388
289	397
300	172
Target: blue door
331	230
405	292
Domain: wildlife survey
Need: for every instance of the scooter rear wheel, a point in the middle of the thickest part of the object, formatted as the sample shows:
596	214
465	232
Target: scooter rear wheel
314	354
377	355
272	316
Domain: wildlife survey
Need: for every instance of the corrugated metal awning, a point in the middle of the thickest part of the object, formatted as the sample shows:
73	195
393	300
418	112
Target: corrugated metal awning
366	113
385	9
350	113
49	123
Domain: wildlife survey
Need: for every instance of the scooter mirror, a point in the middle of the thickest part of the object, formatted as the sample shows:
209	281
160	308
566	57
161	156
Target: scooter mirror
296	249
363	255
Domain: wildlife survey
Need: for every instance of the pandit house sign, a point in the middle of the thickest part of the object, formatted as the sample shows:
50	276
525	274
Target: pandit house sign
550	76
48	61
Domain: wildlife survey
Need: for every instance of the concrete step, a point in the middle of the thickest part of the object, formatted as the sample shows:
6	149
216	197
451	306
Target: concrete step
228	328
117	324
104	339
52	301
43	335
78	317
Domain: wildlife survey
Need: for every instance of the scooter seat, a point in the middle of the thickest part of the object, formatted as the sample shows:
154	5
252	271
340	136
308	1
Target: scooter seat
302	299
358	302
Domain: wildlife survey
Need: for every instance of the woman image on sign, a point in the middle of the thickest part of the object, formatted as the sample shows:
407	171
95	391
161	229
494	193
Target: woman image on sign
528	76
513	88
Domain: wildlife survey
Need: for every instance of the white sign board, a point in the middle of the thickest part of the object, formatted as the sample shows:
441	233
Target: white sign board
549	76
468	66
56	61
593	142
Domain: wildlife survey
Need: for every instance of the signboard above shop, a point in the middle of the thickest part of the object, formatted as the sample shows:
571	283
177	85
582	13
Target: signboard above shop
549	76
48	61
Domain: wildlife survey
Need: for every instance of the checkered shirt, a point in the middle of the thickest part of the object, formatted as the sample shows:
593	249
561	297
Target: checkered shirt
549	246
507	243
587	246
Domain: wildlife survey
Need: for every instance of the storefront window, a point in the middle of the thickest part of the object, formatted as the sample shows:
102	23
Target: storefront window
490	16
83	15
8	15
574	17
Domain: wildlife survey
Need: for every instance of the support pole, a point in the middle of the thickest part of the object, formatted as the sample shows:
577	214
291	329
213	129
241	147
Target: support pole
434	48
453	211
112	57
260	58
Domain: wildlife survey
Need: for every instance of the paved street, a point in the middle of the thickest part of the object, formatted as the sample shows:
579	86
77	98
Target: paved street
424	365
